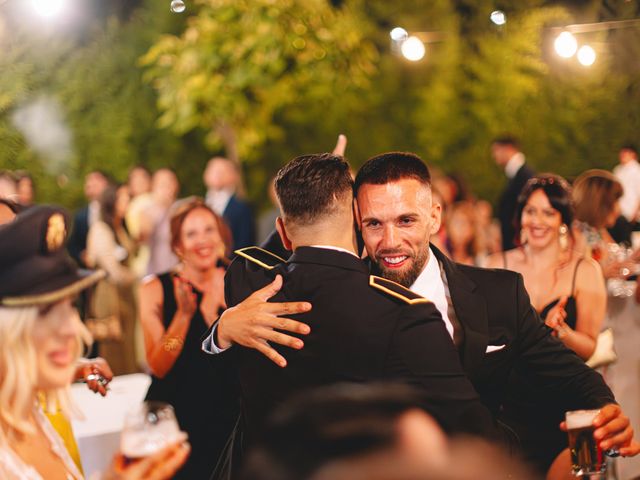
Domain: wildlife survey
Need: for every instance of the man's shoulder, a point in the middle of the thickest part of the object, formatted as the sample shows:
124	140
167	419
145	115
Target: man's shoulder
489	278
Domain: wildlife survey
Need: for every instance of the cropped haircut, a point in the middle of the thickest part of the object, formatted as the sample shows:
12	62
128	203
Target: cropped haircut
390	167
595	193
311	187
557	190
507	139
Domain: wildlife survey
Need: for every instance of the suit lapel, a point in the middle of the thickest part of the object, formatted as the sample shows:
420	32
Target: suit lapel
471	310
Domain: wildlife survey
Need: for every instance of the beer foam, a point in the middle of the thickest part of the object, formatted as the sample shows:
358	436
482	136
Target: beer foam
580	418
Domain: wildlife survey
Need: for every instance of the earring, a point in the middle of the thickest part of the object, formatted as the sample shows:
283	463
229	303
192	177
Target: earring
563	238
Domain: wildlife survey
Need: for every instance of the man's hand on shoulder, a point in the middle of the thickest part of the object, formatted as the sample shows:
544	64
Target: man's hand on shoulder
253	321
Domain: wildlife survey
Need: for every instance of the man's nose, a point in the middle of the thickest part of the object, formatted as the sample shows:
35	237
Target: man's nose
390	237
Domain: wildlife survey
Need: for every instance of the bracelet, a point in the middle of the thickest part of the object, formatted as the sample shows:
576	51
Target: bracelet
172	343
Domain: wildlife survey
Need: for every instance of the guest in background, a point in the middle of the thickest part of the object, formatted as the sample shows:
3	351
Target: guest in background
8	186
113	304
596	195
507	155
154	228
95	184
225	193
176	308
565	287
628	174
462	234
139	183
267	220
25	188
489	236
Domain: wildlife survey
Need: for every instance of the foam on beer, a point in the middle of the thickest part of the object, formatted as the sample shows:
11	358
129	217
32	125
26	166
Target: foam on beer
580	418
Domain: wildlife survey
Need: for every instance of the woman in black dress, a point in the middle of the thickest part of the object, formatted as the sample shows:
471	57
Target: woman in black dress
176	308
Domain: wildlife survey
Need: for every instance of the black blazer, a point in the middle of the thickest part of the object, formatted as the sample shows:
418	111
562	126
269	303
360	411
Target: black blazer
359	332
78	239
494	309
507	205
239	217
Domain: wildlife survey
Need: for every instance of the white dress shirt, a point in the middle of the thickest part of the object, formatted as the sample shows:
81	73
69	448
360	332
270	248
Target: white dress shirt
218	200
629	176
514	164
431	284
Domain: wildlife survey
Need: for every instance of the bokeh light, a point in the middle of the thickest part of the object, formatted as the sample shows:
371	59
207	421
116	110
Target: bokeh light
48	8
398	34
565	45
586	55
498	17
413	49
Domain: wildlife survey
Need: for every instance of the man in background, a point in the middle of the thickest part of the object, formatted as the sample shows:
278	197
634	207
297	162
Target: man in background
507	155
223	180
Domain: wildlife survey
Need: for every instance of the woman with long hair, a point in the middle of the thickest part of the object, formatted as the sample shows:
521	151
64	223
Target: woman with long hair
41	339
176	309
565	287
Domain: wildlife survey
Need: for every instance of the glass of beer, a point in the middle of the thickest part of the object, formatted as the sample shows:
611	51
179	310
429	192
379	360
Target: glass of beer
587	458
147	429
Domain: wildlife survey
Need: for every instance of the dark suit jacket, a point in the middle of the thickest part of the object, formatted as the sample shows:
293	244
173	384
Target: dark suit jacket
507	205
78	239
493	308
358	333
239	217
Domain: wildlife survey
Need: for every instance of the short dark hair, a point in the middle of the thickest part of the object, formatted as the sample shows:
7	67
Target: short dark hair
507	139
595	193
557	190
392	166
326	424
309	186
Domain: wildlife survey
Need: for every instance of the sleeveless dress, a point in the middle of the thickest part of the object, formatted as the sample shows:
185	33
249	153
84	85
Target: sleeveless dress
202	392
527	409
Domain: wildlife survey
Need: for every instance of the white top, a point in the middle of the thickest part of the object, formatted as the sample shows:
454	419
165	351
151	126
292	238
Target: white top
12	467
514	164
629	176
218	200
430	285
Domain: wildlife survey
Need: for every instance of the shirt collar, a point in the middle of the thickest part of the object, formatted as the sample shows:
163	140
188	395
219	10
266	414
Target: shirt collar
514	164
332	247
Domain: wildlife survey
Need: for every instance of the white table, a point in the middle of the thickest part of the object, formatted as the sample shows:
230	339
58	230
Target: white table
623	316
98	436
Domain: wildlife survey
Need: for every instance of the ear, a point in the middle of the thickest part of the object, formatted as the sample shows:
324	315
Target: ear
356	213
286	242
436	217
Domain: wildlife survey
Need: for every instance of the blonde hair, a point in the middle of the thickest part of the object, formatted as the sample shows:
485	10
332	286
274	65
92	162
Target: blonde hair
19	372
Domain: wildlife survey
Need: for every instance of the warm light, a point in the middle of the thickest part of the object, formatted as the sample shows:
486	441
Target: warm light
48	8
413	49
586	55
398	34
498	17
565	45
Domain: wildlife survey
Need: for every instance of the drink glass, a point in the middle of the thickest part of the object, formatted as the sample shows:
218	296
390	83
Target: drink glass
587	458
149	428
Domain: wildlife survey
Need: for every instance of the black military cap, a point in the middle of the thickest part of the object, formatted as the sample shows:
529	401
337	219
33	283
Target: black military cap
35	268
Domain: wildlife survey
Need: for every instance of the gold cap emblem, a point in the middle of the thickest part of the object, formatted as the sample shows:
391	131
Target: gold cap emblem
56	232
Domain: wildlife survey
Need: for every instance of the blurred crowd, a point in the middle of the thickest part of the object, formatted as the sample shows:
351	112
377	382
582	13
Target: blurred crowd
165	256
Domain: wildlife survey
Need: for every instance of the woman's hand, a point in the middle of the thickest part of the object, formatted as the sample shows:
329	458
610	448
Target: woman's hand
557	316
159	466
96	372
186	300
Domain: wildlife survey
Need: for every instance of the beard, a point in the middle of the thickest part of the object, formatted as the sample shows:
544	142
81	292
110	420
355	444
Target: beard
405	276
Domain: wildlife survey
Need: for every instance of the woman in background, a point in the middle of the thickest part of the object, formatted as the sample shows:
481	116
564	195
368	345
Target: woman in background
110	248
565	287
176	309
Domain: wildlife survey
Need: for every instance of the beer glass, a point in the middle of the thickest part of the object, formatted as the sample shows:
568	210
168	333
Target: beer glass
587	458
149	428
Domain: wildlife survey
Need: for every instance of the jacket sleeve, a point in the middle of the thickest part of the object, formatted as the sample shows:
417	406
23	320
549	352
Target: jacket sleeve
553	368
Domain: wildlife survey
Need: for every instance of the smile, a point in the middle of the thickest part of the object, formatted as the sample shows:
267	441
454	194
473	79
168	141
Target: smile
394	262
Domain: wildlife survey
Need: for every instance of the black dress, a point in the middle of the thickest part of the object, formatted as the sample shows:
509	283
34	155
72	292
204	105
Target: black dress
526	411
201	392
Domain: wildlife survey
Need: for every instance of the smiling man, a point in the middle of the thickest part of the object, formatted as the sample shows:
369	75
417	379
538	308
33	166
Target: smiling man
487	312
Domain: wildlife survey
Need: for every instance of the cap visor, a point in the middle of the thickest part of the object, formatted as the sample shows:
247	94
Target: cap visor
86	278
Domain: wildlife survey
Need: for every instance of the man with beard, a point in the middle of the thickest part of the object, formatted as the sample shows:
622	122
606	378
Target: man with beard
487	312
